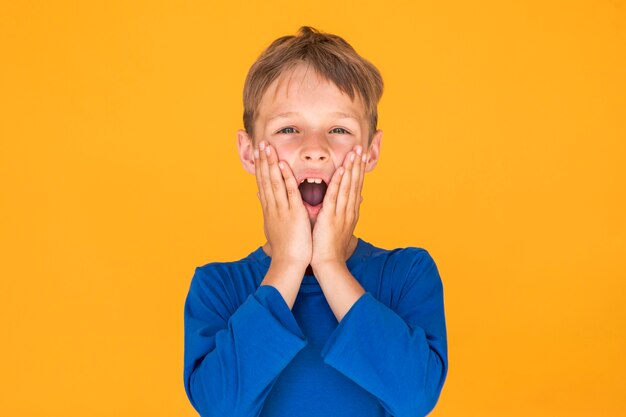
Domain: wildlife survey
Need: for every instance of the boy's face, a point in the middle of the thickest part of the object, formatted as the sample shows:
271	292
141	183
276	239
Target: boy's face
312	125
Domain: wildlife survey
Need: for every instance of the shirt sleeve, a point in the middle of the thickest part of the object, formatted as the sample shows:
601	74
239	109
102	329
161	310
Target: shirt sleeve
231	361
400	354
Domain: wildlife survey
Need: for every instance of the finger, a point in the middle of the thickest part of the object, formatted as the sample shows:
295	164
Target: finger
359	194
265	176
330	198
344	188
259	179
276	178
291	185
354	184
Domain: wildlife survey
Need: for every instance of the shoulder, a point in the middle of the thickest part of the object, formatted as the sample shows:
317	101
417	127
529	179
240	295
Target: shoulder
420	280
230	282
405	259
402	271
216	270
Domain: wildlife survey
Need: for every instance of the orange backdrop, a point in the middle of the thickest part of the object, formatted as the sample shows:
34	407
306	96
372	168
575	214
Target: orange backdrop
504	155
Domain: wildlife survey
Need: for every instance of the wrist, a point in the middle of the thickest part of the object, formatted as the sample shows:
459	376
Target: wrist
328	260
286	278
288	266
330	265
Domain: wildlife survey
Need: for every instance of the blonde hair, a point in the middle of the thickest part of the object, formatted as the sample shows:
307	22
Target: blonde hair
330	56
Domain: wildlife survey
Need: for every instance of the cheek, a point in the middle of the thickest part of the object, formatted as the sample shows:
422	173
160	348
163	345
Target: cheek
340	151
285	151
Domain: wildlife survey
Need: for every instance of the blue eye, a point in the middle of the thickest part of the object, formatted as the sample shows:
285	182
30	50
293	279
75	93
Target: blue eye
341	129
287	130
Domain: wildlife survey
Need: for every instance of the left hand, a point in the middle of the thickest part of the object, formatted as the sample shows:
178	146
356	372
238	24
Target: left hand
340	211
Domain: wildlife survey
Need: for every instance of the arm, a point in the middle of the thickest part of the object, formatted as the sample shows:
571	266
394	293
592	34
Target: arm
340	288
286	222
232	359
400	354
233	356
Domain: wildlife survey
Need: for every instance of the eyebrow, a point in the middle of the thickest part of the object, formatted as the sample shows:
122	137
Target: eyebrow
337	113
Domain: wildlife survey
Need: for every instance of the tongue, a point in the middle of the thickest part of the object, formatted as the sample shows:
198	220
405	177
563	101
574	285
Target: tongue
313	193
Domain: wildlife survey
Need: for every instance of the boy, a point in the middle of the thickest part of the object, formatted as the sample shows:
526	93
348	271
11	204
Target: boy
315	322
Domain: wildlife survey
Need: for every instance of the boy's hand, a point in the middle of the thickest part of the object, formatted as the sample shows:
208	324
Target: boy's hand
286	221
340	211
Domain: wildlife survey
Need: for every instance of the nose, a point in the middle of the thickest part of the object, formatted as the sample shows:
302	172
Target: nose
314	148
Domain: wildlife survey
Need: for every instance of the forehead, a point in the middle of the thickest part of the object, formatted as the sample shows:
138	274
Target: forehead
302	89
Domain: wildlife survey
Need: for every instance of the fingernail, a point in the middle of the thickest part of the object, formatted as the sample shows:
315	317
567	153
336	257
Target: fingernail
262	145
281	165
256	154
351	157
359	150
267	151
363	158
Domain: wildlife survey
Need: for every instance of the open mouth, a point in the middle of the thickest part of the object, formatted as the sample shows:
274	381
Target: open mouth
312	191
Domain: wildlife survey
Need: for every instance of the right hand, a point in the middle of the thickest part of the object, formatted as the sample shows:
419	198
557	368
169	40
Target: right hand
286	221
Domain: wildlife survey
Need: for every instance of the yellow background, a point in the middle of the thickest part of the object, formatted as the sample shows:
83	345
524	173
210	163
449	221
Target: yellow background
503	155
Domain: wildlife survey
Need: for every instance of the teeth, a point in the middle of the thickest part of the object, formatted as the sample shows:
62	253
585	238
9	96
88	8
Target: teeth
312	180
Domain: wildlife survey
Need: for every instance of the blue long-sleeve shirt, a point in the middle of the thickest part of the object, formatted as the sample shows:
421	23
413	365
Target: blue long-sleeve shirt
248	354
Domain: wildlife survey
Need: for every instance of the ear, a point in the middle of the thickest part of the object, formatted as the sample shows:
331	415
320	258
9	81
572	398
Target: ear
373	151
245	145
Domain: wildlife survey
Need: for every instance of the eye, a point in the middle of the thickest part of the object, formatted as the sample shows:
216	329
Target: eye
340	130
288	130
